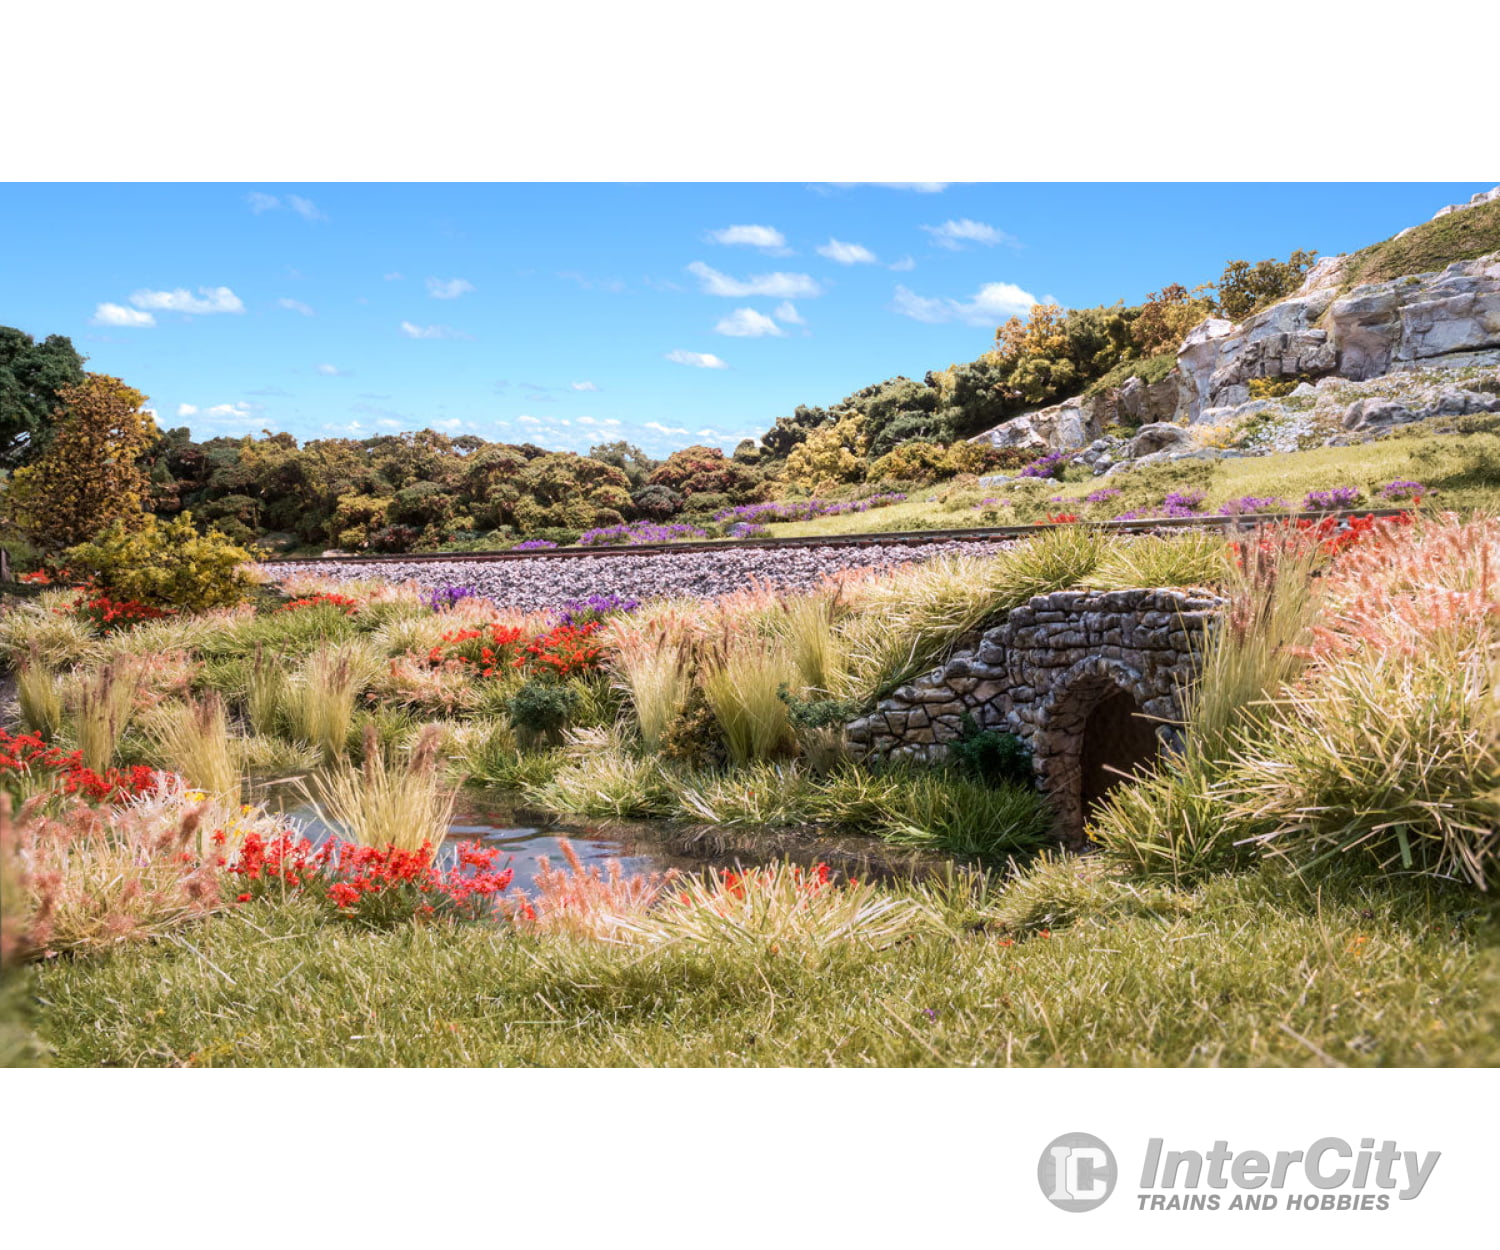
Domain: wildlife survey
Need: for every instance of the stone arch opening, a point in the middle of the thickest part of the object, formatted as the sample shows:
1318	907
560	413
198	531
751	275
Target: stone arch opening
1119	742
1092	727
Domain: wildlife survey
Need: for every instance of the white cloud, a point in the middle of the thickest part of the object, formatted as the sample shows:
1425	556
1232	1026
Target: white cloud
847	253
305	208
584	386
296	306
451	289
413	331
609	421
787	312
230	413
527	419
662	429
774	285
746	323
954	234
924	188
215	299
587	421
332	371
698	360
767	238
905	265
392	277
260	202
119	315
995	301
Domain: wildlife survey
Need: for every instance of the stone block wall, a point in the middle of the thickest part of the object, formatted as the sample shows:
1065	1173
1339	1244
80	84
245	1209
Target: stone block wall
1041	672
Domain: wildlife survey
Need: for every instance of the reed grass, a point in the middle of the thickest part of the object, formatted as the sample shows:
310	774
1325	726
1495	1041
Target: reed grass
387	800
655	671
266	689
37	694
192	739
1196	558
741	681
104	707
808	623
605	781
322	696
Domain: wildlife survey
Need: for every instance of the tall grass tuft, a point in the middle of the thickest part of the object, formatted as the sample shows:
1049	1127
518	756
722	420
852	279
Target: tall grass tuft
944	812
37	694
741	681
808	623
266	688
385	801
604	781
759	794
1178	820
656	672
321	698
104	708
783	908
192	739
584	901
1191	559
1393	755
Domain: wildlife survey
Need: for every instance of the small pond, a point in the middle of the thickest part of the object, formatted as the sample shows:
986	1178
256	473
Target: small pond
526	835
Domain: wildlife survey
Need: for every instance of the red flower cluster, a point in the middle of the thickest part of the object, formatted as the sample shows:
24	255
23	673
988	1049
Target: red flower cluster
28	755
563	651
107	614
1330	534
40	578
343	603
378	886
485	650
1061	518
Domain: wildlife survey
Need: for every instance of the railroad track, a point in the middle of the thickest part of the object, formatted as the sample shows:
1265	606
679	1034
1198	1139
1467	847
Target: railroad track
894	538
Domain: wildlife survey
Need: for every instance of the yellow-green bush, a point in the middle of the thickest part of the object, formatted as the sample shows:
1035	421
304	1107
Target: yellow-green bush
167	564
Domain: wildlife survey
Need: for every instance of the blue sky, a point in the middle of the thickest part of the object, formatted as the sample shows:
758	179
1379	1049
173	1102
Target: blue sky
568	314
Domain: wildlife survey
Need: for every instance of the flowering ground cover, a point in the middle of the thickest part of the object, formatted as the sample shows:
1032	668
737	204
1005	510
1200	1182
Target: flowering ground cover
1332	799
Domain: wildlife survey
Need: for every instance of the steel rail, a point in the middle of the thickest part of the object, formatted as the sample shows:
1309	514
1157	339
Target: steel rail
891	538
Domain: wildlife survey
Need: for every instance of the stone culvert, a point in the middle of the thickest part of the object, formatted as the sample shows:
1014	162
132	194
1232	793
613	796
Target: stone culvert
1089	680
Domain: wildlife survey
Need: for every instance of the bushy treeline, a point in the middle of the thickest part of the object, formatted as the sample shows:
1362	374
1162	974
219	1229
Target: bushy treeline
80	450
1050	354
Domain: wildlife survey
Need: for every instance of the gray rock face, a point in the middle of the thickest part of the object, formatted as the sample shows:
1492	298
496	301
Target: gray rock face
1376	414
1062	427
1160	436
1446	319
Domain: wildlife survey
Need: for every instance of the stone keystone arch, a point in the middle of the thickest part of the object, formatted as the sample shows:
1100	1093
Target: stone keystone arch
1088	679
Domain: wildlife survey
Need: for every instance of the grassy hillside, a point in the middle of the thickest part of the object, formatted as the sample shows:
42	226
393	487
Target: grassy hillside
1464	469
1431	246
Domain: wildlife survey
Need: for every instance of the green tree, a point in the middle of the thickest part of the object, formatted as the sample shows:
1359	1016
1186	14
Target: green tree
32	376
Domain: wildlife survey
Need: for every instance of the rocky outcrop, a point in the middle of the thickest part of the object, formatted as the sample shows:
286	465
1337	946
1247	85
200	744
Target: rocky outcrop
1040	674
1447	319
1062	427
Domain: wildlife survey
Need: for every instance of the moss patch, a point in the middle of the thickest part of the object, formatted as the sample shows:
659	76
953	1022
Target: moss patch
1432	246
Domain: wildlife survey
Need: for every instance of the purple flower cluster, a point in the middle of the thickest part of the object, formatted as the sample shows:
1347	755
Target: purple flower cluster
1050	465
993	503
580	612
1400	491
1248	505
638	532
534	544
1182	503
1099	496
805	509
1328	500
746	529
446	597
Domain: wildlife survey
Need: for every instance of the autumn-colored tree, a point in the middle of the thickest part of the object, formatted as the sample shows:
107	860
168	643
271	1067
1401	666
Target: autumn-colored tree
1246	288
702	470
830	456
90	475
1167	316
